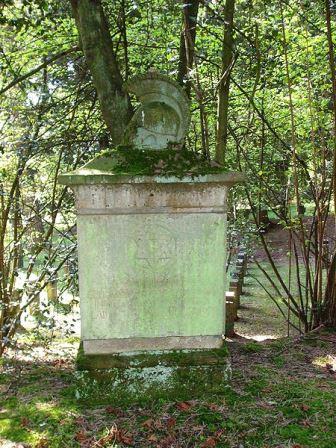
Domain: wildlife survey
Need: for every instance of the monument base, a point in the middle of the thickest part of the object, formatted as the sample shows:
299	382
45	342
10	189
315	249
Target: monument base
141	376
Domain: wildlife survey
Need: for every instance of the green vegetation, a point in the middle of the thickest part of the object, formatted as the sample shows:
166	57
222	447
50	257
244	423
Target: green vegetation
266	404
252	347
259	77
168	162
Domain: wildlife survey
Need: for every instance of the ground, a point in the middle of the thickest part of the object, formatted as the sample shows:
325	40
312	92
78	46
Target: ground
259	318
282	394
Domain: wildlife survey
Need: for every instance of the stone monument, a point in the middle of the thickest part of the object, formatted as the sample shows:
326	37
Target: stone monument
151	249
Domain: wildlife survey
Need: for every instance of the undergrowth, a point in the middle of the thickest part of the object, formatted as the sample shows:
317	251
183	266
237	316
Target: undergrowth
281	400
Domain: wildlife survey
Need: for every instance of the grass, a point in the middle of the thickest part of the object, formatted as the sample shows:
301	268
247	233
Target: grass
278	398
282	395
259	315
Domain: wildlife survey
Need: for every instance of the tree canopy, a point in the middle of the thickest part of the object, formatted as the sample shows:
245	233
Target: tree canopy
260	76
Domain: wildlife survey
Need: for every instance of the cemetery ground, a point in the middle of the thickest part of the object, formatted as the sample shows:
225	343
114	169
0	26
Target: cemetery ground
282	394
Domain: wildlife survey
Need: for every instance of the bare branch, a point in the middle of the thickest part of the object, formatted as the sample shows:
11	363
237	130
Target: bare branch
38	68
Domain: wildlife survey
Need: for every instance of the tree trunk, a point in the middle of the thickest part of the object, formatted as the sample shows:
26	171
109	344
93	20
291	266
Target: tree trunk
224	84
329	311
97	46
330	291
187	43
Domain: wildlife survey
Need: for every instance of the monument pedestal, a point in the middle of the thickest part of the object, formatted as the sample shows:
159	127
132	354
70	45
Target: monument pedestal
151	252
152	276
150	375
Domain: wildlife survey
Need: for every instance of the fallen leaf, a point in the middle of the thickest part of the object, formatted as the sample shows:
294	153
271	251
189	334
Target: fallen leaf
114	411
210	442
183	406
305	423
24	422
80	421
81	436
305	407
218	434
148	423
123	437
167	442
213	406
152	438
58	362
171	422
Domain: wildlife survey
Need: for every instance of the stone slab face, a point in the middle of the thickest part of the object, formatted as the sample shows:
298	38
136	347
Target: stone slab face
151	265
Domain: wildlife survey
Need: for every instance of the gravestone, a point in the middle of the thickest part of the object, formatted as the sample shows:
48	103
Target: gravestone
151	221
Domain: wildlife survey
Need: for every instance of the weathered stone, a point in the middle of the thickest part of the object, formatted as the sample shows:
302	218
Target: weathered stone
231	296
151	375
169	358
152	259
242	263
235	286
163	117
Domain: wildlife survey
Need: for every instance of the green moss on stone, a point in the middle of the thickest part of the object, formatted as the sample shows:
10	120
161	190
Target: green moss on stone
151	383
169	358
141	376
127	160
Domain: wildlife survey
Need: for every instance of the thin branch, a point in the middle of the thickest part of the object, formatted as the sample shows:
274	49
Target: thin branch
38	68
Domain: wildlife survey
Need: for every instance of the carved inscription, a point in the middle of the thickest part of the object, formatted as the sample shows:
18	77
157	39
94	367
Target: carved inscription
145	266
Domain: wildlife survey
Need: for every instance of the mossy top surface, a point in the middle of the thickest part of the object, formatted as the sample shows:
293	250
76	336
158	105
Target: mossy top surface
144	162
129	164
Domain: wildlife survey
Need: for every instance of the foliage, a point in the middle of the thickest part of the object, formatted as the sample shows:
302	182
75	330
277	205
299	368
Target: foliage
42	120
280	129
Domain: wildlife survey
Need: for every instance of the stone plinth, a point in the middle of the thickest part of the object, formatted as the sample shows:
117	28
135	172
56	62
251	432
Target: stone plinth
151	261
152	278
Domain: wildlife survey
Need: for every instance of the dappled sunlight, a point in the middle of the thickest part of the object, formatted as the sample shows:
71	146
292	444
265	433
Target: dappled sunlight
45	406
259	318
328	362
31	351
261	337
